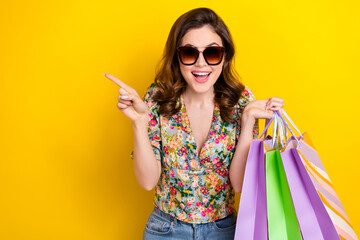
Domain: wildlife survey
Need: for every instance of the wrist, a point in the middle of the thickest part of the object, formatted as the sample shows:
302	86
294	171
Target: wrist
141	123
247	118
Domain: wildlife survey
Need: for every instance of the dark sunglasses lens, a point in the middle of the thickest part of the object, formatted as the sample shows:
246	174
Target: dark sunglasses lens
213	55
188	55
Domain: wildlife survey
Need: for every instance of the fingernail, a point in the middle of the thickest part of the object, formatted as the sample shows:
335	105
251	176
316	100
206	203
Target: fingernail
105	74
124	97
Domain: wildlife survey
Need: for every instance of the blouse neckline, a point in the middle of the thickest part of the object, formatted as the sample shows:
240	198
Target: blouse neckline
186	122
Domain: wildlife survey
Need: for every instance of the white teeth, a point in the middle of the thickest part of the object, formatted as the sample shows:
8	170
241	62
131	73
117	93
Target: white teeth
201	74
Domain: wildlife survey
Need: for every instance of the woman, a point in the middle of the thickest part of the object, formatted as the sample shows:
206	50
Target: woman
192	131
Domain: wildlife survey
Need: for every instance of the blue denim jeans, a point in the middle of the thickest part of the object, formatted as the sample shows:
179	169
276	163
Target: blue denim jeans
163	226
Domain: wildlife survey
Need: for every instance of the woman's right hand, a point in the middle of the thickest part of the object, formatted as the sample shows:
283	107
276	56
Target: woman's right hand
129	101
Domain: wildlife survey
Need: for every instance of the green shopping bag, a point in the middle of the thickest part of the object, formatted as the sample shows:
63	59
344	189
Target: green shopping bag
282	220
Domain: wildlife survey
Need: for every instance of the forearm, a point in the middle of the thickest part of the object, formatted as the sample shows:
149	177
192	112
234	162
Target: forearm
147	167
237	166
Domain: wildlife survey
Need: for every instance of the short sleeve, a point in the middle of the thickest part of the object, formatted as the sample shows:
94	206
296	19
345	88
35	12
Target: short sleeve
154	121
246	97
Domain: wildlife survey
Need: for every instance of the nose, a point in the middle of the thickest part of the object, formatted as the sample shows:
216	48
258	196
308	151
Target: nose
201	60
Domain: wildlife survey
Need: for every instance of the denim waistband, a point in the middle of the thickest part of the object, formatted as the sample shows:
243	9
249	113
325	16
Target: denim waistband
171	218
164	215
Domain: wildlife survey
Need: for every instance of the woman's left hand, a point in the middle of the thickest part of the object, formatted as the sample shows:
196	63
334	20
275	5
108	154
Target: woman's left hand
263	109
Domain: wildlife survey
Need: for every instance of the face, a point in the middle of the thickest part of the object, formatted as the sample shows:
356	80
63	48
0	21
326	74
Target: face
200	38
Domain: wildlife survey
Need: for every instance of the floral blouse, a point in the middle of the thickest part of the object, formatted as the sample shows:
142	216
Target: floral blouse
194	187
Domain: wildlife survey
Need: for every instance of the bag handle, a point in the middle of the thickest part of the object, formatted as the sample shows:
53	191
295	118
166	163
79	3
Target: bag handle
267	125
280	128
291	122
282	132
287	125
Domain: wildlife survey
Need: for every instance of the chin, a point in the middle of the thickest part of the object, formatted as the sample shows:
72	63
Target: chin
201	90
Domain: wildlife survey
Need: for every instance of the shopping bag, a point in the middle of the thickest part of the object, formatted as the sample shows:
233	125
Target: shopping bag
313	218
251	220
282	220
252	214
318	207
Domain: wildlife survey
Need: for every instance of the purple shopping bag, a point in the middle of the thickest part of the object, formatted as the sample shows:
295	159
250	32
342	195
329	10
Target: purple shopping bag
314	221
318	207
252	215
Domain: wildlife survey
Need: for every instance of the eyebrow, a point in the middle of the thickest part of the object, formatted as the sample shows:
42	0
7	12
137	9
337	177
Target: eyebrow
188	44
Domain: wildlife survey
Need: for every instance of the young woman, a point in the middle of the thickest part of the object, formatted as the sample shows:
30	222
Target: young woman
192	131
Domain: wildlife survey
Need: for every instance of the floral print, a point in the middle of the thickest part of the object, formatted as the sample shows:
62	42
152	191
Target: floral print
194	186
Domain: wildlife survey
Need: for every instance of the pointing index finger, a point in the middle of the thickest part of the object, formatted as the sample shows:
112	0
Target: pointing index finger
117	82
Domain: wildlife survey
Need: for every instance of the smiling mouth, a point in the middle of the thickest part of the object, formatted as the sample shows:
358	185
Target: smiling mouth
201	76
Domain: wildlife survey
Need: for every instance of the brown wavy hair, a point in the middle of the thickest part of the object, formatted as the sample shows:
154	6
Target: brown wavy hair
169	79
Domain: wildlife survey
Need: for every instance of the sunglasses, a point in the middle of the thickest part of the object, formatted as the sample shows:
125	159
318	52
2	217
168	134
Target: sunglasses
213	55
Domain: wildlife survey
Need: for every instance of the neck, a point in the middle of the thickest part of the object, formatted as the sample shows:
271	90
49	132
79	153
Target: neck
199	99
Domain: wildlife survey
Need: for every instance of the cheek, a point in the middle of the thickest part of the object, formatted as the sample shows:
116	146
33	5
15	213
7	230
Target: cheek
217	71
185	72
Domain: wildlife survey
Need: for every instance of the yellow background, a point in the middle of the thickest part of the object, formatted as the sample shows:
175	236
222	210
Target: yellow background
65	170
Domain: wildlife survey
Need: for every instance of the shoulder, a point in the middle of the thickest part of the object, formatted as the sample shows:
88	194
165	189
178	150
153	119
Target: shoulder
149	95
246	96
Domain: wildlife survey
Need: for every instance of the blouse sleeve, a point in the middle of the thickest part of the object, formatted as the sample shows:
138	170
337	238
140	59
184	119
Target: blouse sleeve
246	96
154	122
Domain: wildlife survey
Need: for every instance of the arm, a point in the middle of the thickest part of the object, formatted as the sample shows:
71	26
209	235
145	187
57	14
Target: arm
255	109
237	166
147	167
